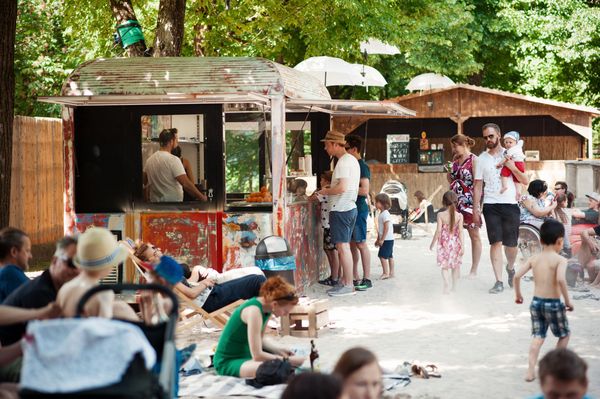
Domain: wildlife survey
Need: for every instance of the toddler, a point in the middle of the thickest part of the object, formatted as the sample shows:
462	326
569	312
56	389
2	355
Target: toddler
385	235
328	245
550	283
97	253
514	152
449	237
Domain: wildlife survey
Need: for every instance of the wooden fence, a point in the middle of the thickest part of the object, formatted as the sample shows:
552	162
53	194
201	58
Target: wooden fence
37	178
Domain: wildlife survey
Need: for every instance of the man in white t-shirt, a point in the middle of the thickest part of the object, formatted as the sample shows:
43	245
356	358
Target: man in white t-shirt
164	174
500	209
342	206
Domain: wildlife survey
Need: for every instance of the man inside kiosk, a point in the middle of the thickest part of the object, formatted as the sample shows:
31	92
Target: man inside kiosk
164	174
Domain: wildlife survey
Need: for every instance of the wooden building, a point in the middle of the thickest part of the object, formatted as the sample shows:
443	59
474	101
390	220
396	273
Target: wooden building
559	131
556	131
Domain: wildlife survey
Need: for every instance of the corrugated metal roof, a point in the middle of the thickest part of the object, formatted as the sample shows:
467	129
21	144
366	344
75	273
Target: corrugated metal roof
171	76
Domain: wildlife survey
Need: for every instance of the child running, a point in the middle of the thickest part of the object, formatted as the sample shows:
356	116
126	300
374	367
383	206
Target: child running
328	245
449	236
385	235
514	152
549	283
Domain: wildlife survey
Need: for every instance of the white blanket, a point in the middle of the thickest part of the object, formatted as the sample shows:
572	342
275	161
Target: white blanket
70	355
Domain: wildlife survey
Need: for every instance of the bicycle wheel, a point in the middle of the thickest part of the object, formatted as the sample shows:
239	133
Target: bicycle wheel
529	240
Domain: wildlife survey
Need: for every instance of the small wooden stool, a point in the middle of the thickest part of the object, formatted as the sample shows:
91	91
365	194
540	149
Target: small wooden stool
306	318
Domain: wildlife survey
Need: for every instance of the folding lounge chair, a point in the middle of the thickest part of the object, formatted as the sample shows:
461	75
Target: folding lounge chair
188	308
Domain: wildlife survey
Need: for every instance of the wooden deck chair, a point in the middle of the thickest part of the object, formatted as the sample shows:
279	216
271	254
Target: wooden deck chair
415	215
218	317
188	309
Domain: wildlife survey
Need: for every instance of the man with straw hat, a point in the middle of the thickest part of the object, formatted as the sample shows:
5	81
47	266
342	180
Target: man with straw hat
342	199
97	253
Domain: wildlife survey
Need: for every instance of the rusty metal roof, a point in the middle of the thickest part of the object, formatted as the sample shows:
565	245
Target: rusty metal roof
190	77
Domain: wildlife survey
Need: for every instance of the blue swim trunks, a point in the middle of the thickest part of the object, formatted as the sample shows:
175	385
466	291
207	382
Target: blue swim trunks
548	312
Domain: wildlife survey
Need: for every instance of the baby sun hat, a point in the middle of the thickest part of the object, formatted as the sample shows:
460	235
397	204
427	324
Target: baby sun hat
97	249
513	135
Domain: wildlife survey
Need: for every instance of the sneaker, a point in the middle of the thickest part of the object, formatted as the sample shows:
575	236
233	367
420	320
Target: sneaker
364	285
336	287
329	281
343	290
497	288
511	275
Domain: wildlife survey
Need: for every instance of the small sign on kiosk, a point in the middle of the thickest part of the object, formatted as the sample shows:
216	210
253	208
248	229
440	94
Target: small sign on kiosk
398	148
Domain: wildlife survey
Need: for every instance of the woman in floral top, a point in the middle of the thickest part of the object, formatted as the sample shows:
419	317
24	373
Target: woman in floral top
461	182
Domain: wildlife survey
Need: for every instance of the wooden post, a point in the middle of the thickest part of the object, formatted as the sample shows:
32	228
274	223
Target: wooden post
69	169
278	163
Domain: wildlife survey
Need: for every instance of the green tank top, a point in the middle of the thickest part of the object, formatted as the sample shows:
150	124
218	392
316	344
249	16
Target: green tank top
233	345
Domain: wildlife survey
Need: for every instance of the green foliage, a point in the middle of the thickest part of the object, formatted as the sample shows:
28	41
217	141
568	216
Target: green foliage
547	48
241	174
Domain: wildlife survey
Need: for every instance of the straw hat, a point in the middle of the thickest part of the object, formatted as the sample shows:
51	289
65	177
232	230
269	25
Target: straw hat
97	249
335	137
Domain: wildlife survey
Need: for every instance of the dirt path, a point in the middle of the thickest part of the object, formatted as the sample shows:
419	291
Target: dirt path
479	341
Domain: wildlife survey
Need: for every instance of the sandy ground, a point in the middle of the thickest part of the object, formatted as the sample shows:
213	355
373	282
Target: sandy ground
479	341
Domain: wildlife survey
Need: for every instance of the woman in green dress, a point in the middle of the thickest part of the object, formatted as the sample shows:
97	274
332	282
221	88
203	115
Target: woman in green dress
242	347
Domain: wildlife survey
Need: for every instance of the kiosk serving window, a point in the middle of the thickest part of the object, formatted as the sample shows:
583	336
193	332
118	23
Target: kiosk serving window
190	148
112	145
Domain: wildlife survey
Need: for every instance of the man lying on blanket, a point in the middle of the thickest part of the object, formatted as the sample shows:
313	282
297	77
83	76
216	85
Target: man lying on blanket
207	294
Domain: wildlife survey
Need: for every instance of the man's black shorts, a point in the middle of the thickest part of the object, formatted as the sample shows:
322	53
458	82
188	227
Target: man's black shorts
502	223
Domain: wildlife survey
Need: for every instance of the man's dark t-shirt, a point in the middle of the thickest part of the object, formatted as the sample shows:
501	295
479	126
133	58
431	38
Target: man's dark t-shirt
591	217
35	294
361	200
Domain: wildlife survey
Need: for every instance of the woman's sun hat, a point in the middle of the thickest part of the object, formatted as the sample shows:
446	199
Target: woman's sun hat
97	249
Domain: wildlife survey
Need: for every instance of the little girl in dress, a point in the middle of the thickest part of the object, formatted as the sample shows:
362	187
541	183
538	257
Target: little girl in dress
449	236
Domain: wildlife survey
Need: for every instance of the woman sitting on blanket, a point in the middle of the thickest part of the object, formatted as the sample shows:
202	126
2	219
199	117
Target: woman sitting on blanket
207	294
242	346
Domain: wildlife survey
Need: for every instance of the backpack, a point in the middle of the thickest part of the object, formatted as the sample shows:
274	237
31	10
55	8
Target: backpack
272	372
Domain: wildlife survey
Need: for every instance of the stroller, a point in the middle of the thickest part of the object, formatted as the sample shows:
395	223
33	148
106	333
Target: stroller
399	195
137	381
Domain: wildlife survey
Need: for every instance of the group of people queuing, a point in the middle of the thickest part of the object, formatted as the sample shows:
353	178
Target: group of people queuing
344	201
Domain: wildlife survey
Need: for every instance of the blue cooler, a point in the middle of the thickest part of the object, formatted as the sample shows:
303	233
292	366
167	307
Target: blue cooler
275	257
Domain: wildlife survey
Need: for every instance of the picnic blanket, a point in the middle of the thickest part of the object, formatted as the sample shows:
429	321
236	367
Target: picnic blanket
208	384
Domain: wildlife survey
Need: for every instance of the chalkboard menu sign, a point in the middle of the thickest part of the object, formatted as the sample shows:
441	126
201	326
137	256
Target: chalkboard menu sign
398	148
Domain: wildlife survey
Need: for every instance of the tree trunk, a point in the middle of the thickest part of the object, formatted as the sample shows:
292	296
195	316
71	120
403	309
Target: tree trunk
169	28
123	11
199	37
8	24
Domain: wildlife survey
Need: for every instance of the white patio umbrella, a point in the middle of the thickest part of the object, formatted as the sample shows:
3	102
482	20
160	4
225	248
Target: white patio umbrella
369	76
376	46
428	81
330	70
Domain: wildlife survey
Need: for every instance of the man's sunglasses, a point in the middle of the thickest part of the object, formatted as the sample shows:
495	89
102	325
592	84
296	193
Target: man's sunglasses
69	262
489	136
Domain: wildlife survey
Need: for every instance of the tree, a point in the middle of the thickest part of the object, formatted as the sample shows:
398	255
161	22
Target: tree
8	22
169	28
123	12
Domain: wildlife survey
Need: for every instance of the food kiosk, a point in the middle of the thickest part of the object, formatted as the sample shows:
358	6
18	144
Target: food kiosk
245	125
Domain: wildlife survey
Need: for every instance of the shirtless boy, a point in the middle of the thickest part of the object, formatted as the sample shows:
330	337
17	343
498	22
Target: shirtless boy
550	283
97	254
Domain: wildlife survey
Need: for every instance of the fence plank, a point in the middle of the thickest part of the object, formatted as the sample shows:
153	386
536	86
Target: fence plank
37	183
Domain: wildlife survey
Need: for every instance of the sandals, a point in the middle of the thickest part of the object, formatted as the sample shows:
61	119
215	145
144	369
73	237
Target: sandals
429	371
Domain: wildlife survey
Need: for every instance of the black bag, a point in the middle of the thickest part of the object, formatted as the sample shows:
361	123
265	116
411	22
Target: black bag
272	372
